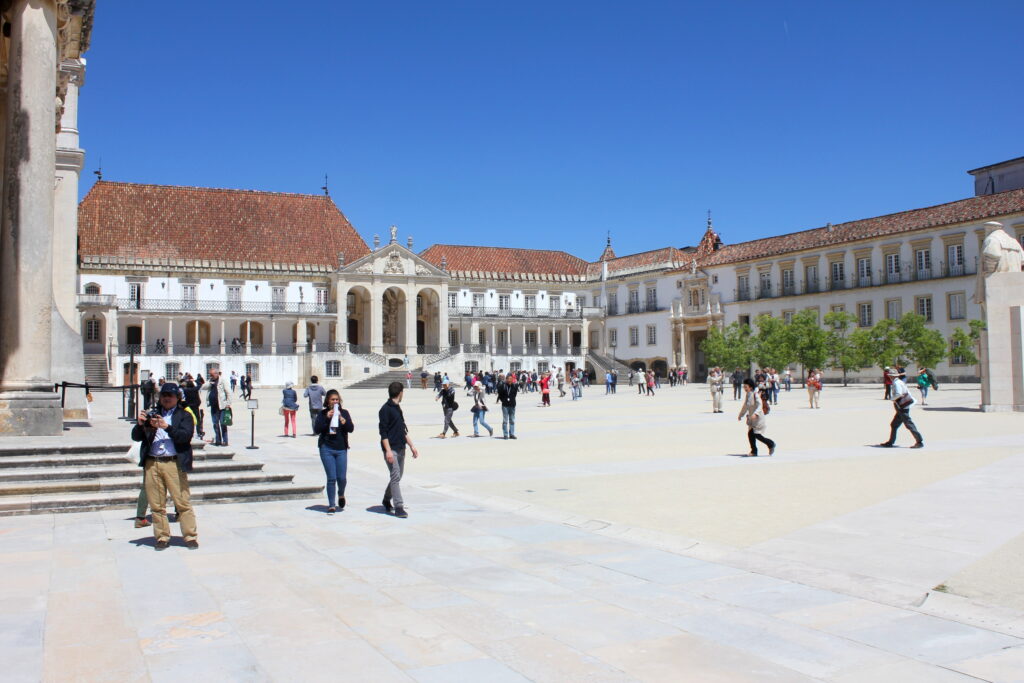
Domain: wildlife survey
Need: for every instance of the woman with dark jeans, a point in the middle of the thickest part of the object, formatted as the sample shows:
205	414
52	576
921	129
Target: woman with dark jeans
756	422
334	424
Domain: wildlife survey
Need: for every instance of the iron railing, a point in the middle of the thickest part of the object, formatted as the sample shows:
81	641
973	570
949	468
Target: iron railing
206	306
521	312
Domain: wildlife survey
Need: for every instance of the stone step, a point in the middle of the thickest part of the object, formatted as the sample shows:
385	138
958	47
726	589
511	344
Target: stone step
63	460
106	500
126	469
196	480
15	451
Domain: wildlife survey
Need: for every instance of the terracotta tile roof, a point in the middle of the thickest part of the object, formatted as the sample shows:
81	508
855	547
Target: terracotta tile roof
656	259
160	221
504	263
962	211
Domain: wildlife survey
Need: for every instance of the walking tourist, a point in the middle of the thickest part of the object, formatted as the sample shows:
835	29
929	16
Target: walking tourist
773	384
574	384
234	381
394	438
753	409
788	379
333	424
650	382
219	400
716	385
193	401
449	406
545	390
902	402
814	388
165	454
507	397
479	410
737	382
560	380
925	381
887	382
316	394
289	407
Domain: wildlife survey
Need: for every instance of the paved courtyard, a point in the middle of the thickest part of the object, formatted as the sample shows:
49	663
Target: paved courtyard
619	538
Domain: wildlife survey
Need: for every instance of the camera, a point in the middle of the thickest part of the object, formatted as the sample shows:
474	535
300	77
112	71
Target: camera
153	412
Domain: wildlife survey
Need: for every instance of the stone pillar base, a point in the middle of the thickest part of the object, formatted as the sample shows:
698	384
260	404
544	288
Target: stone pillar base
1002	344
30	413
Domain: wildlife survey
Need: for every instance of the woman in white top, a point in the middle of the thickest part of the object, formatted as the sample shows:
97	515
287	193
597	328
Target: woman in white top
756	422
814	388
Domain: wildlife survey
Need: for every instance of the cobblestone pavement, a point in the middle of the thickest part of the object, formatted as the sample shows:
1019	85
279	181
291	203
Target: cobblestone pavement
619	538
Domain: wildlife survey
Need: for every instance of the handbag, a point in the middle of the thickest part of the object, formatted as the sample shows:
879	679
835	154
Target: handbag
225	417
904	401
280	410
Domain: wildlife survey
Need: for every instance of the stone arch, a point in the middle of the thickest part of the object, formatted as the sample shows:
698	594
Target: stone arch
393	304
357	324
255	330
203	327
660	368
428	317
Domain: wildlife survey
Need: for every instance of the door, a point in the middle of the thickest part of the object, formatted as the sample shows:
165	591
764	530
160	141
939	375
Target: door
421	333
353	331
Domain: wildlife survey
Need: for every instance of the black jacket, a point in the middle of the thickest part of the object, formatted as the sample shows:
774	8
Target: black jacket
180	430
391	423
507	394
322	426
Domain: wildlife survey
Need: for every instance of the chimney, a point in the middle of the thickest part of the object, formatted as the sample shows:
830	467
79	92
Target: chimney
341	259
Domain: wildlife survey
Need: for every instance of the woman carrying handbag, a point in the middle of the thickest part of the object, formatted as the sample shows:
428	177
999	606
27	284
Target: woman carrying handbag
756	423
289	406
479	410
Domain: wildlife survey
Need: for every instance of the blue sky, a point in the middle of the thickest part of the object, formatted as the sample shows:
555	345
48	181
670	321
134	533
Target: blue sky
547	124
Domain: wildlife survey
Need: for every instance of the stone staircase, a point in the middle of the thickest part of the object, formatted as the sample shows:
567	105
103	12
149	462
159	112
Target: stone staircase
69	478
382	381
96	370
603	364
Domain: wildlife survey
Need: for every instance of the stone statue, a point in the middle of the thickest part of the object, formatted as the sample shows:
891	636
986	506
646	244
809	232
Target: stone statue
394	234
1000	253
693	267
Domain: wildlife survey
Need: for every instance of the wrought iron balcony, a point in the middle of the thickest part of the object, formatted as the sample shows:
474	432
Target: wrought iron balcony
103	300
206	306
523	312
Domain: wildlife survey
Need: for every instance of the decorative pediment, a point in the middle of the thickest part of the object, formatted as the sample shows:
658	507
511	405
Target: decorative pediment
393	259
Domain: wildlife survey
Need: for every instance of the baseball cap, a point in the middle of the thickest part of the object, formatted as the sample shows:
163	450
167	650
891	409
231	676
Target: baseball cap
169	388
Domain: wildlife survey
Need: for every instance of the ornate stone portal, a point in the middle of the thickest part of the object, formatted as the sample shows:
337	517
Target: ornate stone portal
1000	291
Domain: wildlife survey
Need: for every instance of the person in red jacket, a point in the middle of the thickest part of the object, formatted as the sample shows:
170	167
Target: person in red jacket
545	389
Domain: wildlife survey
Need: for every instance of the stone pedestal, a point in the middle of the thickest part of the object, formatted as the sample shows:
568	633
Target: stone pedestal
1002	344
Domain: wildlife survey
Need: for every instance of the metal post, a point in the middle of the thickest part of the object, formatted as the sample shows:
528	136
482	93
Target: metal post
252	431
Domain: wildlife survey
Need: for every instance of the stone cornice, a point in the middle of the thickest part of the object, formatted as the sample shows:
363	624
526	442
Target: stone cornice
213	267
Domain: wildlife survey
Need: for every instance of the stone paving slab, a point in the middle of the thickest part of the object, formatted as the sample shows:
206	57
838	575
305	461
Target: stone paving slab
493	586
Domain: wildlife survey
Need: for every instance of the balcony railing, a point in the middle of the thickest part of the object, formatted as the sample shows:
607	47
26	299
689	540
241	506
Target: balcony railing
523	312
743	294
107	300
642	307
174	305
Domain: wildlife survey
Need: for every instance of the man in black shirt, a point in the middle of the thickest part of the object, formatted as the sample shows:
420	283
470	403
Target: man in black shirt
507	396
394	437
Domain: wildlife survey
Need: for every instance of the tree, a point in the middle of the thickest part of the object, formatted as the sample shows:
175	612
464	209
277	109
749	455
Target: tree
845	348
965	344
924	346
881	345
809	341
728	348
773	343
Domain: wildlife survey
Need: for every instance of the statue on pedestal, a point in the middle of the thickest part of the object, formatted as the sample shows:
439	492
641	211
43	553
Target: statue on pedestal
1000	253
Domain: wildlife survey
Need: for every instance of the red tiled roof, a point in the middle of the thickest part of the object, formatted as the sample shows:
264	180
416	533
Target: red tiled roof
505	263
160	221
962	211
645	260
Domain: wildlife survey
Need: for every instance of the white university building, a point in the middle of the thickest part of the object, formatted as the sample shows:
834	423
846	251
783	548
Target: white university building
281	286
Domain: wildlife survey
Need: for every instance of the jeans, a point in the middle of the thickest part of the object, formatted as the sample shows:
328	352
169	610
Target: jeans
448	412
924	392
313	412
775	394
478	419
508	420
336	468
393	493
754	438
219	430
902	417
789	384
736	391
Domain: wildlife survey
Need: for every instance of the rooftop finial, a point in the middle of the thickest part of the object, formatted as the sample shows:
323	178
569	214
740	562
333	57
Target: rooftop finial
709	220
444	263
376	242
327	193
609	241
99	171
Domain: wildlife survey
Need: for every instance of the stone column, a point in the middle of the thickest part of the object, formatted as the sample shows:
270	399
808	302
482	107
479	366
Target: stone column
410	322
170	335
585	339
300	335
273	337
442	321
28	404
376	320
66	340
474	333
195	339
223	341
142	340
341	336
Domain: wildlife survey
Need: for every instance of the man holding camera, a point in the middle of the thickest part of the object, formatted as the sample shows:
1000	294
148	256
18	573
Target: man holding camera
166	456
